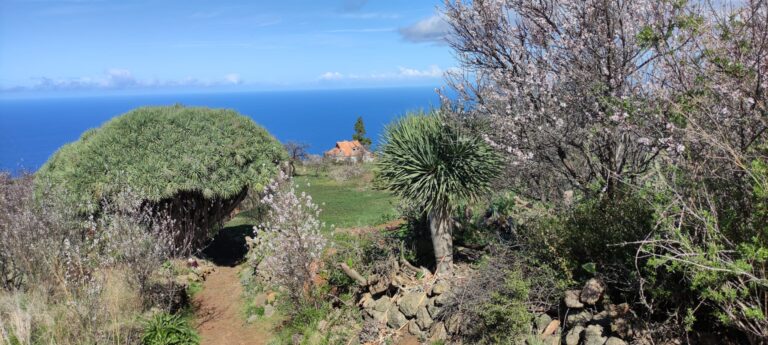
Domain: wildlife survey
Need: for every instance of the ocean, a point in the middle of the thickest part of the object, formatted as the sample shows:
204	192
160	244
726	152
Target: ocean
31	129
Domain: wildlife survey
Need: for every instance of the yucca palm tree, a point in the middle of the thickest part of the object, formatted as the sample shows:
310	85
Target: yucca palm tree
437	165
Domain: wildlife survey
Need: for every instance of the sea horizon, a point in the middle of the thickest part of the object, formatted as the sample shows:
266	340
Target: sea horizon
33	128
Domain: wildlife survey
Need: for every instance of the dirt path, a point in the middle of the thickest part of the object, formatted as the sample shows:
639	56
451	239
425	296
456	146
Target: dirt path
219	312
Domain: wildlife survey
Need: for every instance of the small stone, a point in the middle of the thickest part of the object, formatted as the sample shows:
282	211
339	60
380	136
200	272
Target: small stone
593	335
260	300
578	319
452	324
252	319
383	304
550	339
396	319
441	300
433	309
592	292
542	321
552	328
438	332
423	319
440	288
574	335
411	302
618	310
572	299
367	302
269	310
615	341
413	328
378	316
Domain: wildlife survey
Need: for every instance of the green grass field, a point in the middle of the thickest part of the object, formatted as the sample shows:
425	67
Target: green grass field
349	203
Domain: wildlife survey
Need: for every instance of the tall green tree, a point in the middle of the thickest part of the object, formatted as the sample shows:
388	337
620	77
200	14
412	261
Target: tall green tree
436	165
360	133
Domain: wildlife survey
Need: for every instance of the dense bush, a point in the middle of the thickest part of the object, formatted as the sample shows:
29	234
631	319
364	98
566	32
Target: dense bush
606	234
197	163
71	281
495	303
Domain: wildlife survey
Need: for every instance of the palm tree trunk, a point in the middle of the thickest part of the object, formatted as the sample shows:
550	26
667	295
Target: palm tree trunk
442	241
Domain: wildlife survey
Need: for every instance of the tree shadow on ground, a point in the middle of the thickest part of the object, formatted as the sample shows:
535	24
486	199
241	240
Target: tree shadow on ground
228	247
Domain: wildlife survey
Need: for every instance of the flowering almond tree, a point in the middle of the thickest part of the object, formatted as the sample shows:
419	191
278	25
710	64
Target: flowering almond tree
290	243
566	86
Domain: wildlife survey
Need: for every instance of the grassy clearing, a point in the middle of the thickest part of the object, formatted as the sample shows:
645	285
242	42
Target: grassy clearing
350	202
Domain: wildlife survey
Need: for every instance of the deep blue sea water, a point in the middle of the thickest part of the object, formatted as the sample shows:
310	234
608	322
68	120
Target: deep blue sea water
33	129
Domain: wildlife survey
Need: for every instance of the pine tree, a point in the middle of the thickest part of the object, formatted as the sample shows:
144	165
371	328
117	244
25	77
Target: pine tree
360	133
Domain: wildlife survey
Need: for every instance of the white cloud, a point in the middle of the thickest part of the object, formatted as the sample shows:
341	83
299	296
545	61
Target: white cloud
370	15
233	78
432	71
361	30
117	79
432	29
331	76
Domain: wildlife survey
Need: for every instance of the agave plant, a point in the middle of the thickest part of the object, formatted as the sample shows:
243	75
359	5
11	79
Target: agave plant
437	165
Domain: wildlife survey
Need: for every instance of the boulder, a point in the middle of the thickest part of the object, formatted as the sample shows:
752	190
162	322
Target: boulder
542	321
572	299
593	335
423	319
396	319
411	302
592	292
574	335
615	341
438	332
580	318
440	288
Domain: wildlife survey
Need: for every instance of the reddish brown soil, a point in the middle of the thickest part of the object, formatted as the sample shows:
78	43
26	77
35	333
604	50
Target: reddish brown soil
219	312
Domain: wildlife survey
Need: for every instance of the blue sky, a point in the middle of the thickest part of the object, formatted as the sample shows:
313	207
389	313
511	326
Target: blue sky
84	45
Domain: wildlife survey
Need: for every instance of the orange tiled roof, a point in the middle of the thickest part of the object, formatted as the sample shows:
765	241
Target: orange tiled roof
346	148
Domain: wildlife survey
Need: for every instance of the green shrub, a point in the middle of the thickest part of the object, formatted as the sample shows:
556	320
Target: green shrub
167	329
598	232
504	318
197	163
